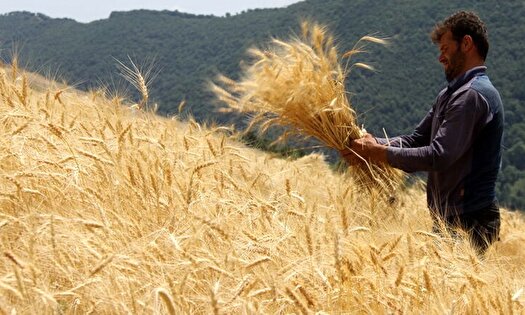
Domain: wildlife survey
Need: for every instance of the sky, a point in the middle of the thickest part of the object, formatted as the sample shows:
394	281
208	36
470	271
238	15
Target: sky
90	10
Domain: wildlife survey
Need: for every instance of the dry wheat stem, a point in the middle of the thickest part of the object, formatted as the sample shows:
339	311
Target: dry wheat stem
300	84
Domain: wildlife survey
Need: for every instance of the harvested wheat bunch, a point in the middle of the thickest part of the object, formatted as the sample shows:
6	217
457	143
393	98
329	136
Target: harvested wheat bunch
300	84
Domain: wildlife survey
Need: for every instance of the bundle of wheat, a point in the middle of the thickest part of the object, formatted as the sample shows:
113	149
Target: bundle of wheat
301	83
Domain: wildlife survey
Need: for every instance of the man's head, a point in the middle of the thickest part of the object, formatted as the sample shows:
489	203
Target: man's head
463	42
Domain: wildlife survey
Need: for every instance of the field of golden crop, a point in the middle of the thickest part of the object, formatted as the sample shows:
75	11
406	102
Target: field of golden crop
104	210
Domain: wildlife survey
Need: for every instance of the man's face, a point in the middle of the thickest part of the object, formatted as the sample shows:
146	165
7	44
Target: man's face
452	58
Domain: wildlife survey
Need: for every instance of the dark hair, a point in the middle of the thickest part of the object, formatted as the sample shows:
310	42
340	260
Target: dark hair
464	23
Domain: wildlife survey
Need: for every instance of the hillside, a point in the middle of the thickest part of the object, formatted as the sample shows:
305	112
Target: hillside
189	50
107	210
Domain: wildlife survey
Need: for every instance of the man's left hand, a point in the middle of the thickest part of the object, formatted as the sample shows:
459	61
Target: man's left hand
368	148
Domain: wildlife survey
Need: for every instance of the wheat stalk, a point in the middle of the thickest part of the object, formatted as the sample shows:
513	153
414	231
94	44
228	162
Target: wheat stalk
140	77
164	295
300	84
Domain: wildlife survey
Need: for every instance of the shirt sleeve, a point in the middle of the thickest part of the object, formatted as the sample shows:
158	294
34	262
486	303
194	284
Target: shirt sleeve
461	121
419	137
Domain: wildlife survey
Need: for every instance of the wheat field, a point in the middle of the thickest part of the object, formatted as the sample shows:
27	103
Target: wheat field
109	210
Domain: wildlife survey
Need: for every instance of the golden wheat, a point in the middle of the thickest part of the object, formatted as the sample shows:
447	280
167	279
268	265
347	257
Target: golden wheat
140	78
168	227
300	84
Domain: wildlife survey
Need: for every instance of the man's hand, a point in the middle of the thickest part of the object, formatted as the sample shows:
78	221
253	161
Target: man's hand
364	145
350	157
365	148
353	156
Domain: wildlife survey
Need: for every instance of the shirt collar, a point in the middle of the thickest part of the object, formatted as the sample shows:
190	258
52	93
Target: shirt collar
465	77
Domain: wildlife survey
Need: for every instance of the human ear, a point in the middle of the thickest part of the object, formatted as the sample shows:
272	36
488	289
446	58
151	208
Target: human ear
467	42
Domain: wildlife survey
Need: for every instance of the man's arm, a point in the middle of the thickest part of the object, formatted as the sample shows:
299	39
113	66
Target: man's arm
456	134
370	145
419	137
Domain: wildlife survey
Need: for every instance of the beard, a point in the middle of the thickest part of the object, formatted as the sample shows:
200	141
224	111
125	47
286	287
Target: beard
456	65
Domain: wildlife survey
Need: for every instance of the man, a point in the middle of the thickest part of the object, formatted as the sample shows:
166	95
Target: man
459	141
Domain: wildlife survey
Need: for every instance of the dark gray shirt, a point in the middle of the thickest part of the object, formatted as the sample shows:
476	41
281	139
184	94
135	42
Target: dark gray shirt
458	143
